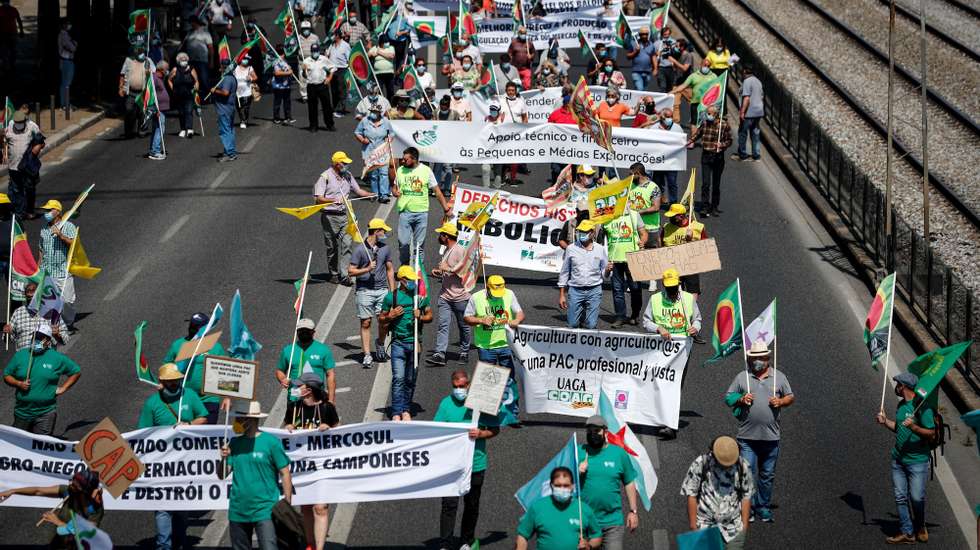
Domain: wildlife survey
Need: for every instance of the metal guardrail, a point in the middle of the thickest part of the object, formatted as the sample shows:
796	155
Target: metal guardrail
935	295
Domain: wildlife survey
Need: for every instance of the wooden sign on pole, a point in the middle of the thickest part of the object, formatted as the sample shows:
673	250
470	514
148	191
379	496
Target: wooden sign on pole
206	343
688	259
230	377
107	453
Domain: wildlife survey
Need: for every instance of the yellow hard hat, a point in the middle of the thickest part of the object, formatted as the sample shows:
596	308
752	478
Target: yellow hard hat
676	209
449	228
495	284
586	169
4	199
340	157
671	277
586	225
378	223
169	371
406	272
52	204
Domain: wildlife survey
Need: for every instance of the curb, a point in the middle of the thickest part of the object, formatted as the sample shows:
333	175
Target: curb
954	383
64	135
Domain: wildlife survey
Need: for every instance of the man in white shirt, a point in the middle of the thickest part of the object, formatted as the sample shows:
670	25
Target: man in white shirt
338	55
513	106
306	40
317	74
371	98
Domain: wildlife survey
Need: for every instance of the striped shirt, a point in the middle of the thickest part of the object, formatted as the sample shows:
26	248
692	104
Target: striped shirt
23	325
54	251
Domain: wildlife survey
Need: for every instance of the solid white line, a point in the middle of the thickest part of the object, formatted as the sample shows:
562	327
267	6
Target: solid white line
175	228
251	143
217	181
128	278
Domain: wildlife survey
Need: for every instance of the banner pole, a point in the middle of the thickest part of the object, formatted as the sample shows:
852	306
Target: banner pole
10	271
242	15
888	349
578	492
190	362
299	312
741	320
226	424
415	307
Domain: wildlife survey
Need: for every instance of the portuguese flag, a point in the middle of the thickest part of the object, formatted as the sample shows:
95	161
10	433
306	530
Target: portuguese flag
339	16
584	44
285	22
224	51
139	21
148	100
23	267
712	94
878	324
624	35
467	24
658	17
143	372
358	63
443	46
425	30
727	336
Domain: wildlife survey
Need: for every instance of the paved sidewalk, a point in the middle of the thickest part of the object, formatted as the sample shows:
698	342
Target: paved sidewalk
64	129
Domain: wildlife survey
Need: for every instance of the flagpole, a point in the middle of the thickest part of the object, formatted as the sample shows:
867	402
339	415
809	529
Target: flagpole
578	492
775	344
415	306
242	15
888	348
741	321
190	362
299	312
279	57
357	88
10	271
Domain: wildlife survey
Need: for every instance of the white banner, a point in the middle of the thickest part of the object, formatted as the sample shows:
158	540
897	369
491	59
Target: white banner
495	35
519	234
354	463
506	7
540	104
513	143
562	371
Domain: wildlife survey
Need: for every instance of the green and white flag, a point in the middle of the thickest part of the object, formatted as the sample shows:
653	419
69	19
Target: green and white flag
727	335
932	367
143	372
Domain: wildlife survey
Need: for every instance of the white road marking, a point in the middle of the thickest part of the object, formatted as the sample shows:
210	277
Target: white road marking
251	143
117	290
344	389
217	181
346	363
175	228
354	337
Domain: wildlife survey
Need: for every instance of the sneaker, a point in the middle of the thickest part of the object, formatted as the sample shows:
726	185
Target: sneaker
190	133
716	212
226	158
736	156
437	360
901	538
755	159
182	133
276	121
922	535
751	517
243	126
465	547
634	321
667	434
464	358
157	156
367	361
338	115
290	121
765	516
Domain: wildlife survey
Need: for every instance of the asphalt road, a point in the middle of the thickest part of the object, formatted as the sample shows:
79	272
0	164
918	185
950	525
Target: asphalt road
175	237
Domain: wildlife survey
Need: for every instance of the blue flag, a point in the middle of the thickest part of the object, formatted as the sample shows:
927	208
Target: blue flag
509	405
47	302
540	485
243	344
702	539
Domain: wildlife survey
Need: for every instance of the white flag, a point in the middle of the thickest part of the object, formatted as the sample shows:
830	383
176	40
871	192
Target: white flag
763	327
88	536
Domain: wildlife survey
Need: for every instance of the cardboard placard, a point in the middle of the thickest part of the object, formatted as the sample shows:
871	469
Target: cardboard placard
688	259
106	452
487	388
230	377
188	347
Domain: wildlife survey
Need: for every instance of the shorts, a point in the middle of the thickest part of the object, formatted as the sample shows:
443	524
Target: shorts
369	302
691	283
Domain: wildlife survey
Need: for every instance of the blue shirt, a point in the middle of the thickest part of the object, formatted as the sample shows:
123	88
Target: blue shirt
398	24
376	134
225	105
280	82
643	62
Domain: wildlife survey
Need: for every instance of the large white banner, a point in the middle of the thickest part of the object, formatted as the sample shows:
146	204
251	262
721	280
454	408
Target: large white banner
551	7
563	370
354	463
513	143
541	103
495	35
520	234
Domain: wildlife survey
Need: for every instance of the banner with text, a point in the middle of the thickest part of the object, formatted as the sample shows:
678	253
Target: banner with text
513	143
562	371
541	103
519	234
506	7
355	463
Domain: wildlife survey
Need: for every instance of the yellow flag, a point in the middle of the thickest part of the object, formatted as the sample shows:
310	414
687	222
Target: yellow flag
688	196
352	229
302	212
608	202
78	264
477	214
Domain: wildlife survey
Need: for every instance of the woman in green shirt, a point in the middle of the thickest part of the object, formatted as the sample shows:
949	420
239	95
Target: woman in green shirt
555	519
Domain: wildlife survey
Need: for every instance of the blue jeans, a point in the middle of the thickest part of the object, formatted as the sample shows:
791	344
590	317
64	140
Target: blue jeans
411	225
240	533
668	185
621	280
403	374
67	75
909	481
444	175
641	80
761	456
171	529
158	127
584	300
378	179
449	309
750	126
227	132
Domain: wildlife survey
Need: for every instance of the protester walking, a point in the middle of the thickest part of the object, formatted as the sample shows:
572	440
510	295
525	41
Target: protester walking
200	52
556	520
56	239
715	135
412	182
452	409
580	278
185	85
490	312
67	46
224	105
374	275
750	114
719	487
36	373
402	313
645	198
663	66
693	83
915	428
333	188
680	229
305	42
195	372
338	54
158	118
453	297
305	355
132	81
623	235
257	461
282	91
757	408
316	72
82	497
522	53
605	470
642	56
374	133
245	78
23	142
23	324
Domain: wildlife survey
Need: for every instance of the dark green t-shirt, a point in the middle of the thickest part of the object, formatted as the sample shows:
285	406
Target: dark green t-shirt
195	375
160	411
401	328
46	371
557	528
317	355
451	410
909	447
609	470
255	466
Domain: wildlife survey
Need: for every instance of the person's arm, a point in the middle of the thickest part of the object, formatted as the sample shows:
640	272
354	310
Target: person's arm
632	518
357	189
281	375
331	386
424	315
745	107
520	543
880	418
287	484
52	491
643	235
692	513
695	319
648	324
69	382
446	207
746	506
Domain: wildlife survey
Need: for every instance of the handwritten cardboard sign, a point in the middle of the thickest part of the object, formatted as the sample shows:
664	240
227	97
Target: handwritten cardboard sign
206	343
229	377
487	388
106	452
687	259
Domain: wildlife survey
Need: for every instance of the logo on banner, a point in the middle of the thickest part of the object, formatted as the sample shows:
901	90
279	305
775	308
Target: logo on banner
527	254
622	400
425	138
574	399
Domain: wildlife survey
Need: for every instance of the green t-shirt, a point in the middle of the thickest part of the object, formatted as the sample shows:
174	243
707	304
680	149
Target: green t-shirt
255	467
401	328
451	410
910	448
195	378
557	528
609	470
317	355
414	187
159	411
694	81
46	371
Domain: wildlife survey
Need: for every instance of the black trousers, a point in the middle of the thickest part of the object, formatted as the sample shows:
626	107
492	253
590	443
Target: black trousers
282	97
712	165
337	89
316	95
471	513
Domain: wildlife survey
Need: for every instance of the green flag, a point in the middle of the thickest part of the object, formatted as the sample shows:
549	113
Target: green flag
877	326
143	373
932	367
727	335
712	94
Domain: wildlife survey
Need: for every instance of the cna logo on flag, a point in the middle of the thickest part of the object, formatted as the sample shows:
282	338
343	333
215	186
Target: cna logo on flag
425	138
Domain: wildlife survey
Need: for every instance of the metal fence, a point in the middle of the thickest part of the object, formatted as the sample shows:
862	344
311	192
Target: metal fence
933	292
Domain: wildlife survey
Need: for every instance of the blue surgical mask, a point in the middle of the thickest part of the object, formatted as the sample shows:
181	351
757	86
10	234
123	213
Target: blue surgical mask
546	71
467	66
459	394
561	494
457	93
375	116
410	286
522	36
608	68
705	70
244	62
583	237
315	55
140	57
505	67
49	216
38	346
667	123
420	69
709	118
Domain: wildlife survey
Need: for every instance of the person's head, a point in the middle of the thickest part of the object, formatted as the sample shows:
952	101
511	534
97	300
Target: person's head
677	214
681	44
511	90
758	357
139	53
612	95
496	286
905	384
85	483
724	451
504	60
638	171
419	65
747	70
667	118
310	386
711	113
195	322
600	50
377	228
586	174
608	65
196	23
444	103
448	233
460	383
595	431
562	485
718	45
410	158
183	60
249	416
305	28
585	232
402	101
705	66
372	90
315	51
406	278
340	162
665	33
548	68
162	67
671	279
170	378
225	63
521	33
29	291
457	90
53	210
466	62
375	113
42	338
66	23
20	121
352	16
644	34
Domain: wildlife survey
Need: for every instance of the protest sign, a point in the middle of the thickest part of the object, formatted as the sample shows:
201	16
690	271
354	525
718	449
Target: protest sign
541	103
514	143
487	387
520	234
354	463
105	451
563	370
200	346
688	259
230	377
506	7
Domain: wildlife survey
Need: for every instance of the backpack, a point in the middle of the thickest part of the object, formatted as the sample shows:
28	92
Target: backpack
289	526
938	441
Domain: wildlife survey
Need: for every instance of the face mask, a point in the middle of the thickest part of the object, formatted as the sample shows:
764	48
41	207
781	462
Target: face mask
38	347
608	68
171	394
315	55
410	286
19	126
305	32
522	37
709	118
183	64
443	110
505	66
467	66
140	56
546	71
719	50
583	238
758	366
375	116
611	100
595	439
49	216
352	21
244	63
705	70
667	123
459	394
601	53
561	494
494	113
373	96
420	69
589	181
457	94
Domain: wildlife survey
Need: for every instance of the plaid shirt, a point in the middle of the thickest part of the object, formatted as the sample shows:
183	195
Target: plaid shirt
715	136
54	251
23	325
355	33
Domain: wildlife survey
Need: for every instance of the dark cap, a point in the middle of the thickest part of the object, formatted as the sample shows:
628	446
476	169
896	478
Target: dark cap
310	379
596	420
198	319
86	479
906	379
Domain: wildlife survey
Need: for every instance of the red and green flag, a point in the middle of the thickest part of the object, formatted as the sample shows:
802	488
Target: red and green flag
285	22
247	47
224	51
139	22
712	94
148	100
443	45
932	367
466	21
385	21
339	16
143	372
358	63
23	267
8	113
410	79
425	30
624	35
658	18
727	335
878	324
518	15
585	47
488	81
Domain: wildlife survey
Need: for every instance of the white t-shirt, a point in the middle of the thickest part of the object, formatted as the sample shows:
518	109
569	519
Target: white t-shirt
513	109
221	13
197	45
316	69
426	81
244	77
